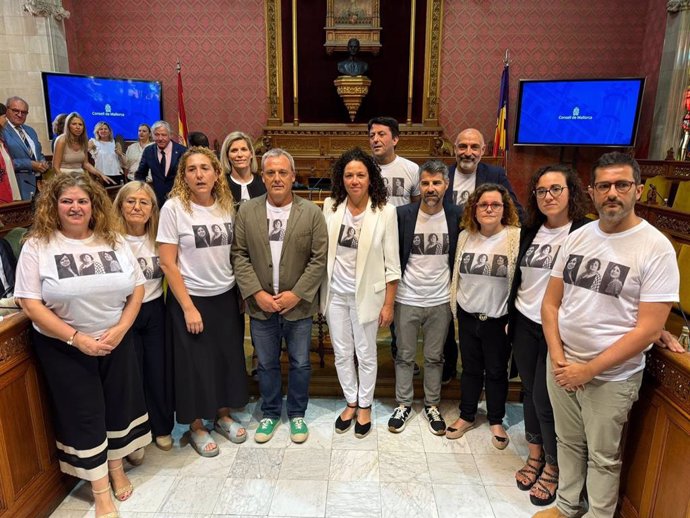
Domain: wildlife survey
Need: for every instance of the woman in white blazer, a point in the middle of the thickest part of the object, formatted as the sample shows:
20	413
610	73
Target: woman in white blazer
363	270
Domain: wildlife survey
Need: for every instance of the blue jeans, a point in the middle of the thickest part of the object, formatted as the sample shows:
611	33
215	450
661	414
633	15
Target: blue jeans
267	336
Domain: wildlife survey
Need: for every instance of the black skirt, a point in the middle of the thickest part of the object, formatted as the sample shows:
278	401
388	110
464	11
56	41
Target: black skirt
210	370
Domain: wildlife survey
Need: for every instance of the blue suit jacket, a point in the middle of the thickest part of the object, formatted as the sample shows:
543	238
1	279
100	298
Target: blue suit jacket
21	157
486	174
407	219
149	162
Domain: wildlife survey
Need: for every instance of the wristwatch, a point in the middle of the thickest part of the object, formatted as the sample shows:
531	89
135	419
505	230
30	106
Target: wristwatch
70	341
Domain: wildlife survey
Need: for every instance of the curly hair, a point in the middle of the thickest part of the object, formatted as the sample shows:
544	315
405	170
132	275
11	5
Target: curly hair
82	139
220	192
46	220
577	197
151	226
510	213
225	161
377	189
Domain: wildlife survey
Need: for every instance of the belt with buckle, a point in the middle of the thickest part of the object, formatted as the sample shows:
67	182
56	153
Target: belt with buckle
479	316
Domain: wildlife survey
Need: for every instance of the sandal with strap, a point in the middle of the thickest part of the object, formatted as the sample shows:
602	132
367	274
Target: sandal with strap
343	425
125	492
199	440
548	478
230	430
113	514
530	470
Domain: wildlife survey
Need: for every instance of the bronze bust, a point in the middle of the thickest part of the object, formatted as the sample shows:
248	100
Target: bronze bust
353	66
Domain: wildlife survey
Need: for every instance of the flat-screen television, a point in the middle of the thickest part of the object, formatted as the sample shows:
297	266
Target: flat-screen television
578	112
123	103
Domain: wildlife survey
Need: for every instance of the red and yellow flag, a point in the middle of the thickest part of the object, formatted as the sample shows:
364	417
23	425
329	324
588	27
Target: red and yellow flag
181	115
500	137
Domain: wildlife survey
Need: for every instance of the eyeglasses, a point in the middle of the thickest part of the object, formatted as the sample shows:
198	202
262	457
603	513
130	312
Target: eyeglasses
555	191
19	112
493	206
622	186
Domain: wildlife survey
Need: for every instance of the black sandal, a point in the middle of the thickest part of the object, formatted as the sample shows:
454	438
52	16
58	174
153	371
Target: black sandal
342	425
549	478
362	429
529	470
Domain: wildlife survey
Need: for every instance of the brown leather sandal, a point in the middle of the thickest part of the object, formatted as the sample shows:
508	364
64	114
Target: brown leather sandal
530	470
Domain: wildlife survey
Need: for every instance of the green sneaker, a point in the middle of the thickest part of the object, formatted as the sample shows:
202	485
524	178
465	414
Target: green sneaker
267	427
298	430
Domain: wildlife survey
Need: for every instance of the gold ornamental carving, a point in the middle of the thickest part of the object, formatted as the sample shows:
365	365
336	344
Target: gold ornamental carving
274	62
352	90
432	61
347	19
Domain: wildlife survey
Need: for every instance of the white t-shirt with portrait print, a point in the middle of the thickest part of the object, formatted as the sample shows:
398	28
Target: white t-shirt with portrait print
613	273
536	269
277	225
483	283
343	280
426	281
204	264
463	186
69	277
145	252
244	190
401	177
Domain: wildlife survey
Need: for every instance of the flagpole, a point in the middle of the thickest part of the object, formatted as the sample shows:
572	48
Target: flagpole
506	63
181	114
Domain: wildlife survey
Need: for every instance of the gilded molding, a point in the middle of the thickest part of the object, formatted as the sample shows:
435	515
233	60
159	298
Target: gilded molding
674	6
46	9
432	60
273	61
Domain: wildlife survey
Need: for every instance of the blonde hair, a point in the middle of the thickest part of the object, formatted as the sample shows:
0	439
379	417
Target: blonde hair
225	161
98	126
151	226
46	220
220	192
82	139
510	213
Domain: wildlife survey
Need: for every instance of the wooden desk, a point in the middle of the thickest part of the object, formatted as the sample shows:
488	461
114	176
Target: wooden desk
31	484
656	462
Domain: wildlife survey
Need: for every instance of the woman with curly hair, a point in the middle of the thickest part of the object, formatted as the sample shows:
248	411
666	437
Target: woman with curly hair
204	328
82	336
358	293
479	299
557	206
136	211
71	148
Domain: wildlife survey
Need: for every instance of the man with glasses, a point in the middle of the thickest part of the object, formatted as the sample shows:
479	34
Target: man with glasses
24	147
597	338
279	275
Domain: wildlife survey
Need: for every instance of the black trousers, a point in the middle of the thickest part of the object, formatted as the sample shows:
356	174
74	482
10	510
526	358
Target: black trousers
530	351
484	351
155	365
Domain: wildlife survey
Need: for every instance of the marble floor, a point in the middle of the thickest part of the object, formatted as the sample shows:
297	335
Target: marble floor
411	474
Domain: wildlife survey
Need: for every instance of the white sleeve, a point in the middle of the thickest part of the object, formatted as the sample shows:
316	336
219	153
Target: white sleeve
391	255
28	276
414	174
167	225
660	278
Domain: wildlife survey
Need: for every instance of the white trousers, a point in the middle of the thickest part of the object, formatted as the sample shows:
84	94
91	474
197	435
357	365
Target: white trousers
349	337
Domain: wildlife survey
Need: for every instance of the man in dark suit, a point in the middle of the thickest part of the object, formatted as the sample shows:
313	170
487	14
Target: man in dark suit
24	147
161	160
422	298
470	172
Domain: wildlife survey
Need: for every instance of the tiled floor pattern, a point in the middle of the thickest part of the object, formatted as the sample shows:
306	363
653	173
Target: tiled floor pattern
411	474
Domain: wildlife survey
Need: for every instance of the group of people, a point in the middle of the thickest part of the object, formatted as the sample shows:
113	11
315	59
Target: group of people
400	245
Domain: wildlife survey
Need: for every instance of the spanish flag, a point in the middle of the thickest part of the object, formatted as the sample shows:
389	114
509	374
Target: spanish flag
181	115
500	137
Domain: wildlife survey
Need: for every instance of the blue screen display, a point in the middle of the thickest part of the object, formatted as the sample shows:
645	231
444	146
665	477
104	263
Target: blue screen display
123	103
579	112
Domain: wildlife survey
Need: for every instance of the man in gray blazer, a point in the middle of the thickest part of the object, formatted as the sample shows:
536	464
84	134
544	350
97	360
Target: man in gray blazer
279	275
24	147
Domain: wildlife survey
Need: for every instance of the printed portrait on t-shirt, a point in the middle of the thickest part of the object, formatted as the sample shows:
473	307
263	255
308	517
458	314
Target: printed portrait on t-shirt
202	237
614	278
590	275
544	256
398	186
348	237
529	253
460	197
417	244
277	230
109	262
466	262
499	267
229	231
157	272
219	236
148	269
446	243
88	265
434	244
387	185
481	266
572	265
66	266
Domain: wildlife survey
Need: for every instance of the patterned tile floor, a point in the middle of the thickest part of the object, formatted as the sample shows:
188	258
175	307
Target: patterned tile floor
412	474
